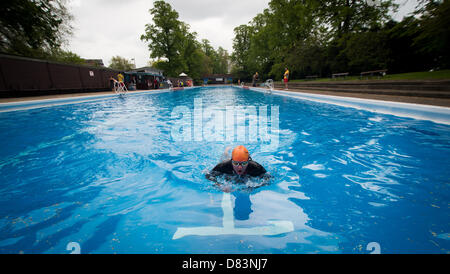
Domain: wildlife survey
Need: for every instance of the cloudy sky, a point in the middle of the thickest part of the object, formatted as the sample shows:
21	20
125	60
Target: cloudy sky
106	28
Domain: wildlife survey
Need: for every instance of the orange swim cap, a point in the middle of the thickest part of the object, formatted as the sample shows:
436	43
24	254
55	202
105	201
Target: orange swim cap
240	154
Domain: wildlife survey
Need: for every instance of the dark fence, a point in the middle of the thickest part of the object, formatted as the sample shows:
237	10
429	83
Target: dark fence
21	76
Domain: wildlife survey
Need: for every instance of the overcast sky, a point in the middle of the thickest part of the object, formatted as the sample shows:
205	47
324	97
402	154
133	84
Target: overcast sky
106	28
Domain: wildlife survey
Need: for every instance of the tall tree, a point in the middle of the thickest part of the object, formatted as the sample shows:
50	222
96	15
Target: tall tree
434	31
347	16
121	63
67	57
223	60
176	48
217	60
345	20
192	57
311	37
165	36
241	47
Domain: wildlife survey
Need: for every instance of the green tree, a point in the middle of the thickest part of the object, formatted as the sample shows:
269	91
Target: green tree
312	37
367	51
192	57
33	28
266	51
211	54
222	62
241	47
344	20
274	35
433	33
67	57
121	63
218	61
176	47
347	16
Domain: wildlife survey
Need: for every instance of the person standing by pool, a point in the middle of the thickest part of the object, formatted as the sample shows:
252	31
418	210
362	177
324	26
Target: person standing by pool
120	77
240	164
112	82
286	78
155	83
255	79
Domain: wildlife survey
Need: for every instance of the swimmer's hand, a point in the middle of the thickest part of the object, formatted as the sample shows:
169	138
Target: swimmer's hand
211	176
265	180
266	177
225	155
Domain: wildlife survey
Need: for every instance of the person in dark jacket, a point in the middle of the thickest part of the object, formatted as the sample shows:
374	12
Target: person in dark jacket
240	164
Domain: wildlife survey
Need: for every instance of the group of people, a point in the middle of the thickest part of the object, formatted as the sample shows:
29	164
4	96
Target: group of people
285	78
152	83
114	84
187	83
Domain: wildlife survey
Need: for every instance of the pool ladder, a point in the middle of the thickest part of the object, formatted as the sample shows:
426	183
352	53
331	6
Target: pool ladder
269	84
120	88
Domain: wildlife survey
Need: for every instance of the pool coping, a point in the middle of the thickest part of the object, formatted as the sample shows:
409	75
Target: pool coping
40	103
437	114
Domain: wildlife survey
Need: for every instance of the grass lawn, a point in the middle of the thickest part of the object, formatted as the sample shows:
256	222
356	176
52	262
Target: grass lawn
424	75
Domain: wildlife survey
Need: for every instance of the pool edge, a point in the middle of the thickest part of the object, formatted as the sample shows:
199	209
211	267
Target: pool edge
437	114
49	102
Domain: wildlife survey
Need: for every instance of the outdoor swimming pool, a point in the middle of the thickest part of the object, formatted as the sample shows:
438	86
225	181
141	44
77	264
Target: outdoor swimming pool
126	175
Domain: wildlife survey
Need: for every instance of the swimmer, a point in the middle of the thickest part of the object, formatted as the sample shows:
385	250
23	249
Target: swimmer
240	164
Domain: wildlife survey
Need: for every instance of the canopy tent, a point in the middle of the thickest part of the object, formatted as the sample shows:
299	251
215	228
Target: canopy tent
183	74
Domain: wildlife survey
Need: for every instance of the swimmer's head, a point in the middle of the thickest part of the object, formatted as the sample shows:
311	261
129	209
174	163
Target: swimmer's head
239	159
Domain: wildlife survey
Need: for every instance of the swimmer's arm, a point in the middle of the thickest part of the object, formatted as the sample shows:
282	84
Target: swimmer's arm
219	169
265	179
266	176
212	176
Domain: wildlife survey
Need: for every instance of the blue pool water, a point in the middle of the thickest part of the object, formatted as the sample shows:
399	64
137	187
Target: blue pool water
109	176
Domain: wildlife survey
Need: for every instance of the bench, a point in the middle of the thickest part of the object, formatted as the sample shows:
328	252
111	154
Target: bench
381	72
311	77
337	75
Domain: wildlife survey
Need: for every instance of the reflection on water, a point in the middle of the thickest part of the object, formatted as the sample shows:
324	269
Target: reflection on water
242	206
